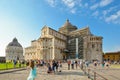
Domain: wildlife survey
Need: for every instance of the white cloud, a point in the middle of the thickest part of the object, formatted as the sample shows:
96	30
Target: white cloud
72	5
96	13
79	3
69	3
73	11
102	3
75	6
111	9
105	2
115	18
94	6
52	3
104	12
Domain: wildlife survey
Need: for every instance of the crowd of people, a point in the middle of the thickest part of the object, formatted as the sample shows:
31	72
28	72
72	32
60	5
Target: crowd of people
72	64
103	64
51	65
54	66
75	64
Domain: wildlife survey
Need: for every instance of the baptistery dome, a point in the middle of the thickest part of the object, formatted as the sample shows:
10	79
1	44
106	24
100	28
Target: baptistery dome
14	50
14	43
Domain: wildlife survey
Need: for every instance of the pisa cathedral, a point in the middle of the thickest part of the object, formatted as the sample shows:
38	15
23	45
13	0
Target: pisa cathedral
68	42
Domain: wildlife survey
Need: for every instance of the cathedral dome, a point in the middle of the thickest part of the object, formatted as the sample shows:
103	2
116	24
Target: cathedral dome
68	25
14	43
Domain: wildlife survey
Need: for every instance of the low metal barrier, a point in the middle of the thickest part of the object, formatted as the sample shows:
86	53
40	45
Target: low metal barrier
93	75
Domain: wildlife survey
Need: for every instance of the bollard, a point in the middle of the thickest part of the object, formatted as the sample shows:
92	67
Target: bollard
94	75
88	73
85	70
6	65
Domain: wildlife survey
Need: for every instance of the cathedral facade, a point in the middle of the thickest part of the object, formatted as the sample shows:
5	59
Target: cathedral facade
68	42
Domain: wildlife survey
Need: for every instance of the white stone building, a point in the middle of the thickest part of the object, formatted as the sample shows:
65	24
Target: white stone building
61	44
49	46
14	51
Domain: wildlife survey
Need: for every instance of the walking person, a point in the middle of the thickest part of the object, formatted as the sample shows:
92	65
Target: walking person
81	65
49	68
87	64
56	66
76	64
60	66
72	64
107	65
103	64
53	65
69	62
33	72
95	64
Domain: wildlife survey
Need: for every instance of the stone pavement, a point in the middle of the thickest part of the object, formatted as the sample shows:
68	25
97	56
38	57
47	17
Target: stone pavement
76	74
11	70
108	73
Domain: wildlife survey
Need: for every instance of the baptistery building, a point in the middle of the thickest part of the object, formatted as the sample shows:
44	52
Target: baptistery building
14	51
68	42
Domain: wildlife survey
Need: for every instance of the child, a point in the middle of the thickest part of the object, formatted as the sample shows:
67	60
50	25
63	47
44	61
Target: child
33	73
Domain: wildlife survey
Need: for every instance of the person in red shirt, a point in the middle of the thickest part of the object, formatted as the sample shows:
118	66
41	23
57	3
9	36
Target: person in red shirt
69	62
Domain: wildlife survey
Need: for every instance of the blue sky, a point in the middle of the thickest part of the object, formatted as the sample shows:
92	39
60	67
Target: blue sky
24	19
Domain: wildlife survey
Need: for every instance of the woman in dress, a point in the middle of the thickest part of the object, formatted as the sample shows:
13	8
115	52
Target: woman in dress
33	72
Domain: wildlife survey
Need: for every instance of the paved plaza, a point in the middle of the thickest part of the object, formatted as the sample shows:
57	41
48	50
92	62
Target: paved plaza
104	73
76	74
111	74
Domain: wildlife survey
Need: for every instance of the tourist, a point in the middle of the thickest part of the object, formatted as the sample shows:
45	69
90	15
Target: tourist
76	63
69	62
72	64
81	65
27	65
95	64
56	65
49	68
33	72
103	64
14	62
87	64
60	66
107	64
53	65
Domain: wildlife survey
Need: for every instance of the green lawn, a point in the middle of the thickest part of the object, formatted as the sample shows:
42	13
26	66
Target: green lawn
115	66
9	66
